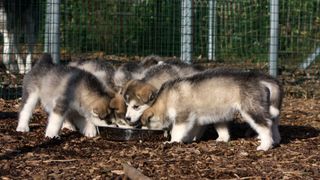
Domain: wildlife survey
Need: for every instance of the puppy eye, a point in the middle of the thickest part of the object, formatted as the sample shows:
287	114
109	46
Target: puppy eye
135	107
115	109
94	113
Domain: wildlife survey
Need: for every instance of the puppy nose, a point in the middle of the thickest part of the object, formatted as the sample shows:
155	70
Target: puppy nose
128	118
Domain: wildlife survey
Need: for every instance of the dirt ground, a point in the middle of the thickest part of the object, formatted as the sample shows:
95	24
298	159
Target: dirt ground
31	156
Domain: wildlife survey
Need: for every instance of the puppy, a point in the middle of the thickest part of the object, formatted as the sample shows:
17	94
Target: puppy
124	74
213	97
133	70
63	90
137	93
103	70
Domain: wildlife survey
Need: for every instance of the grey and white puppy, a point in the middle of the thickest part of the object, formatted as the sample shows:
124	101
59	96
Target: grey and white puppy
213	97
62	90
133	70
137	93
104	71
124	74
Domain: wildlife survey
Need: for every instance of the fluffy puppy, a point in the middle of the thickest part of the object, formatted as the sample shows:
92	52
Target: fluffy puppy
103	70
213	97
62	90
138	93
133	70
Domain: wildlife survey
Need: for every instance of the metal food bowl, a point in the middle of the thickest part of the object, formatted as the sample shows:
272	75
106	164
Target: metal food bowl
131	134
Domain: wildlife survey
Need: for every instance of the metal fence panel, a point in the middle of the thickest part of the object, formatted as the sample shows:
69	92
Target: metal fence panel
227	31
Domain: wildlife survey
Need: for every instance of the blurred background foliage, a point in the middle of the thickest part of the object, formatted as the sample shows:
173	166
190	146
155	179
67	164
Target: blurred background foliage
142	27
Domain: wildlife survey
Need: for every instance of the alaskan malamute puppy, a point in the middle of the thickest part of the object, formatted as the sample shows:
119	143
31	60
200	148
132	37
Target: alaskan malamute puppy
133	70
62	90
103	70
137	93
214	97
124	74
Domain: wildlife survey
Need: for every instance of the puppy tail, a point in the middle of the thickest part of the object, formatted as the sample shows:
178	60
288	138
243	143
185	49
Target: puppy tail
276	95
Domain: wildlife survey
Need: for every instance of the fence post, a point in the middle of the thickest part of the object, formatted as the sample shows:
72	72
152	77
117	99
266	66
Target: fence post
186	31
47	26
312	57
274	30
212	30
52	34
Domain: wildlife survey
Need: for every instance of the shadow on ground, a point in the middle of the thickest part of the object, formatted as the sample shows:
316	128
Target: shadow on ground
288	133
47	143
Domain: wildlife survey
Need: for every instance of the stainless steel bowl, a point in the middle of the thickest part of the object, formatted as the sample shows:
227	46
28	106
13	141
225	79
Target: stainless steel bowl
131	134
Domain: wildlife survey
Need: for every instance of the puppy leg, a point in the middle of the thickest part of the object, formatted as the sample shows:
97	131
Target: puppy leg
197	132
275	116
223	132
56	117
89	129
264	130
70	120
275	131
28	103
67	124
54	124
179	132
84	125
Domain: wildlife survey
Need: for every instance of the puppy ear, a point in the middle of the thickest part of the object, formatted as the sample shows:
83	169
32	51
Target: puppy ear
113	103
147	93
146	116
126	86
119	90
95	111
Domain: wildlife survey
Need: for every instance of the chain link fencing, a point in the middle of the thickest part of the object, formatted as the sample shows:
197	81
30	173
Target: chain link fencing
214	31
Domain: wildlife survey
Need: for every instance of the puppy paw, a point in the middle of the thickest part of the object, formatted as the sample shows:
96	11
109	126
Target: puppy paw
264	147
21	128
168	142
52	134
112	125
172	142
222	139
22	71
90	132
69	126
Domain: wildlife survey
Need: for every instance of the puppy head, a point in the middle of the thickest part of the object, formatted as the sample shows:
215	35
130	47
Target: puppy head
140	91
138	96
150	61
101	109
118	105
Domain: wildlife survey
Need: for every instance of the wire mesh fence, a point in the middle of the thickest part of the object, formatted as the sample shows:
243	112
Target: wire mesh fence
227	31
144	27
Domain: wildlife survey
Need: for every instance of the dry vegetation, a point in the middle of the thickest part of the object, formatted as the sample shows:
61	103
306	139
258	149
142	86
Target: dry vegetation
30	155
